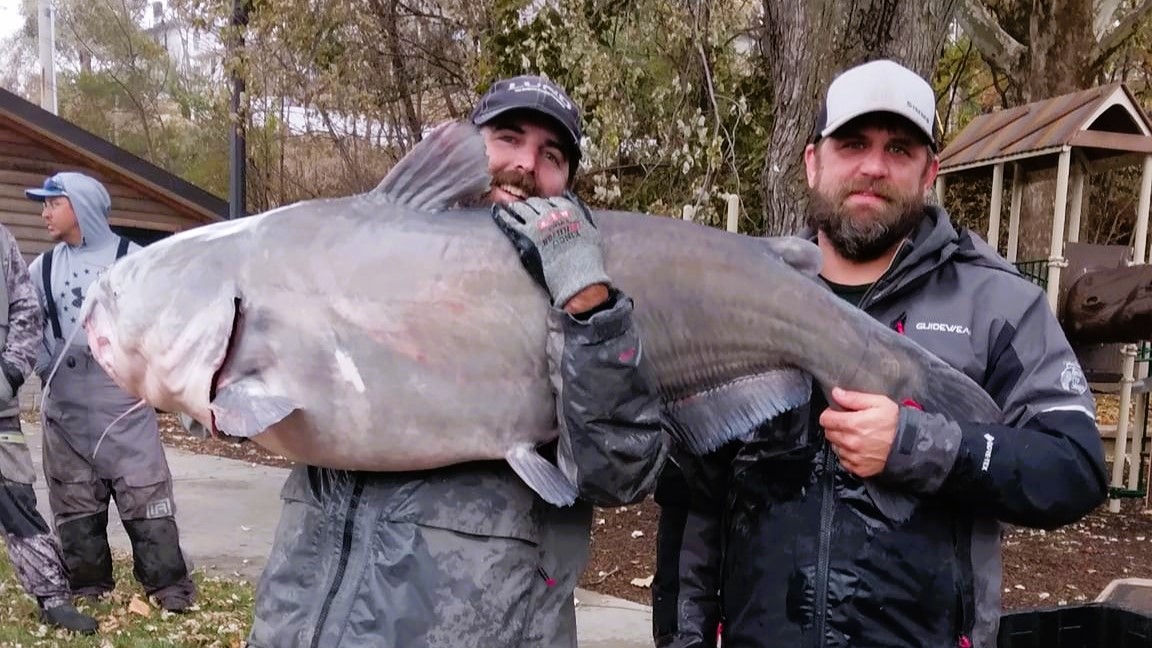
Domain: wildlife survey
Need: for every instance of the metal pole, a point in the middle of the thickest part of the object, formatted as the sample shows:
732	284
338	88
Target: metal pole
1077	206
1056	259
237	147
46	29
733	222
1140	238
994	206
1120	445
1014	212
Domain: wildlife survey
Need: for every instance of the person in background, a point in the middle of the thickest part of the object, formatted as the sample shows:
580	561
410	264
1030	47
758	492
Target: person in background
32	549
82	401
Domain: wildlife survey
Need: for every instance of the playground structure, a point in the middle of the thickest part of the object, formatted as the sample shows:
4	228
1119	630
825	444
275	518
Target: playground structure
1073	136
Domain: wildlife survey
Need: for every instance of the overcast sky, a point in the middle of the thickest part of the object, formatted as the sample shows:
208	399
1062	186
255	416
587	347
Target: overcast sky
9	17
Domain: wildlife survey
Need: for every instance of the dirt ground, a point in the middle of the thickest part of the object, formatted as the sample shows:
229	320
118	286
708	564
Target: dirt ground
1067	566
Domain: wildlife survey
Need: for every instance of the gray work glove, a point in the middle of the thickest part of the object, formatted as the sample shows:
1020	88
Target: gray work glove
557	242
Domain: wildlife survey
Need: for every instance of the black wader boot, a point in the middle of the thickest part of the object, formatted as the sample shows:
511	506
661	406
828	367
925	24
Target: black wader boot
159	564
84	542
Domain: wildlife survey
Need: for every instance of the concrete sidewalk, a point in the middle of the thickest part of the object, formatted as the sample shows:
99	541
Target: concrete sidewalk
228	510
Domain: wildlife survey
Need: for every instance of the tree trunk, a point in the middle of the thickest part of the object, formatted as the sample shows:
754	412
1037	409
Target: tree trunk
806	44
1057	28
1060	42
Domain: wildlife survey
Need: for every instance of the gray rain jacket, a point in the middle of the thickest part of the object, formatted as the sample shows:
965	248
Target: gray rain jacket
776	541
468	555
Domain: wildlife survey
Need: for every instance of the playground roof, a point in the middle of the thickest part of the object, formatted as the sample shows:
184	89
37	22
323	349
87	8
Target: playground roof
1101	123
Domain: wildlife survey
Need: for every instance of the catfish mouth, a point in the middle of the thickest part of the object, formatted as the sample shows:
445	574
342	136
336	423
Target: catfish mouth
225	362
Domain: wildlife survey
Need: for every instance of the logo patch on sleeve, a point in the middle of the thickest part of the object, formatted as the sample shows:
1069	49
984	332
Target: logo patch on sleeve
1072	378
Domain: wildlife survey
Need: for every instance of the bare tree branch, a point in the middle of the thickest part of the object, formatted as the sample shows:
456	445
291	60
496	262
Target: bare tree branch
1115	38
989	37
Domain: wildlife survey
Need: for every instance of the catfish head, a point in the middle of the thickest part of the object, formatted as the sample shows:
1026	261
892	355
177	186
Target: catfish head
159	336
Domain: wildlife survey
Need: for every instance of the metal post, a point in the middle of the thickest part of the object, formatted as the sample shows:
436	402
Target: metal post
994	207
1056	251
1014	212
1140	237
1077	205
733	222
46	30
1120	446
237	147
941	188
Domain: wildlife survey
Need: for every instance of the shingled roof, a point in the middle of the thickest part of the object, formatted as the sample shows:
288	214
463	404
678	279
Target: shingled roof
147	201
1104	121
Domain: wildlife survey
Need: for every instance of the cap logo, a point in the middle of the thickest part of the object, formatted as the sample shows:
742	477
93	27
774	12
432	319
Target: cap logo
542	88
916	109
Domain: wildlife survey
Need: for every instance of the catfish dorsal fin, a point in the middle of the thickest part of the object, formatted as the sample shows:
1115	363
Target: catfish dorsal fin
446	167
801	254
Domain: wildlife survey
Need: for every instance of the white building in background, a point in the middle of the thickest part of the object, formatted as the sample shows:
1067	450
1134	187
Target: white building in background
193	50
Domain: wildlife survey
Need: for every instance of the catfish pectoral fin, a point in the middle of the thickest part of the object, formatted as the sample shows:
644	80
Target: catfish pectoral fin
541	475
246	408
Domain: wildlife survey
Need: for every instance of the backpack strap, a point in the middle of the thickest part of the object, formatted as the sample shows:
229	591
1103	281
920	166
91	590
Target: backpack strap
122	249
50	302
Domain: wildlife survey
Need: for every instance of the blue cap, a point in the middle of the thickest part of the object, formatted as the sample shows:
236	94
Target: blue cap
53	187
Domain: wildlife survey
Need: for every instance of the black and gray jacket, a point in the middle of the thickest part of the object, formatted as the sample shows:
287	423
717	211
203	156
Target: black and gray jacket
468	554
774	540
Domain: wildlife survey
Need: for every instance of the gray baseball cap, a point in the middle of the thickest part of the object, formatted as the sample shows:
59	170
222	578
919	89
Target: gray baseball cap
530	92
879	86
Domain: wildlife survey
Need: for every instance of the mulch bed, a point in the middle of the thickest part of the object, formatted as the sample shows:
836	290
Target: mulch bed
1068	566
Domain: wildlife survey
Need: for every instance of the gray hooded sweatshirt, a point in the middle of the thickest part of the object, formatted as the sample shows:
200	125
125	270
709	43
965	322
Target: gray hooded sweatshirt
74	268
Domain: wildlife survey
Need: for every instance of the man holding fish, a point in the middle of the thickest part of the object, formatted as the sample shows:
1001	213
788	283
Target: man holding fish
469	554
860	519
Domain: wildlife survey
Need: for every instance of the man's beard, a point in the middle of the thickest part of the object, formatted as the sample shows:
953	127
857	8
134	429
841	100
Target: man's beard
524	182
864	237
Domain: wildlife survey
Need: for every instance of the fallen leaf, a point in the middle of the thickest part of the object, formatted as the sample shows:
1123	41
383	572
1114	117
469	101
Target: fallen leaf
140	606
642	582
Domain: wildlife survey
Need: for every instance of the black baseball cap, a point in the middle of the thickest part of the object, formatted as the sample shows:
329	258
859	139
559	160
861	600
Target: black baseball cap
530	92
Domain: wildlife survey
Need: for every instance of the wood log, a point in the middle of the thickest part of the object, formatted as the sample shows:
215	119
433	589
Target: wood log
1110	306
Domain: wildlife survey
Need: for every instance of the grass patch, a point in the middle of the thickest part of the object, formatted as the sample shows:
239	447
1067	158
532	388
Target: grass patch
221	617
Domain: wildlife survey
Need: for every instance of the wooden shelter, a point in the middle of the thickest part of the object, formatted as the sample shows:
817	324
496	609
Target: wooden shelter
148	203
1072	136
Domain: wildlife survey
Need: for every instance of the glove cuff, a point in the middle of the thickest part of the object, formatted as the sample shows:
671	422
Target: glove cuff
567	288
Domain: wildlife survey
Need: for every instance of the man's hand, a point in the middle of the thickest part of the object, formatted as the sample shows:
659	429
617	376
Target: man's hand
559	246
863	433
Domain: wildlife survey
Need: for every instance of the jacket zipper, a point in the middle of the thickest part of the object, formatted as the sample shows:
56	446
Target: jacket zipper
892	263
828	492
345	550
823	562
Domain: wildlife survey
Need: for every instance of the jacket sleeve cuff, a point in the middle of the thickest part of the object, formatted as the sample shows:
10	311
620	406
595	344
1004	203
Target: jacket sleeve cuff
610	320
923	452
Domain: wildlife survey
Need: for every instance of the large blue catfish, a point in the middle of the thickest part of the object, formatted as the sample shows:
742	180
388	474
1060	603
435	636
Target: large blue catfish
385	331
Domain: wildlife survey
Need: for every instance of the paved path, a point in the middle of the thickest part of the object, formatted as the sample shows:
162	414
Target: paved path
228	510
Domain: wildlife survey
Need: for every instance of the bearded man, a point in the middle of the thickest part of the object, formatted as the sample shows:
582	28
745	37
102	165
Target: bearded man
862	521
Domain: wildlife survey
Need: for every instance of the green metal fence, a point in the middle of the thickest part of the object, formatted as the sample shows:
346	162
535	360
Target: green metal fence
1035	271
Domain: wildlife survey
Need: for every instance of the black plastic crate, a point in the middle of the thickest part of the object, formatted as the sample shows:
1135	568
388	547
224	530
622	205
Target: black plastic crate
1095	625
